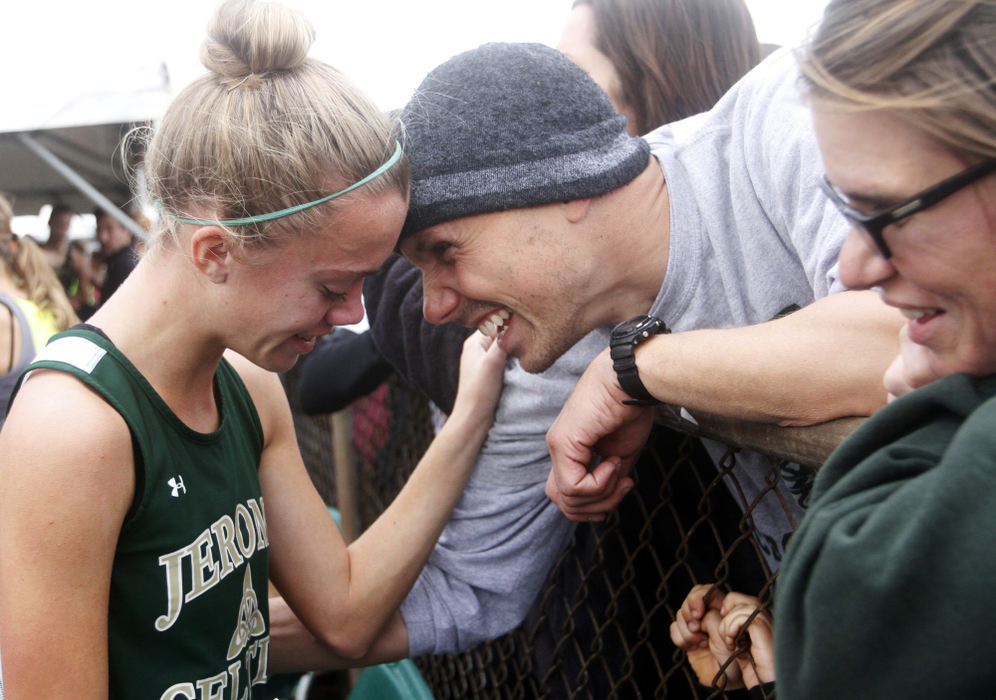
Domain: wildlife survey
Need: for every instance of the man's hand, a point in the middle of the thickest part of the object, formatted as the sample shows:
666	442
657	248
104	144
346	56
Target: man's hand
595	422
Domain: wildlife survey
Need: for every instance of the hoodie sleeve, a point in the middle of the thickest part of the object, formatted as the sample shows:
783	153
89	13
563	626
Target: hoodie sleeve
425	354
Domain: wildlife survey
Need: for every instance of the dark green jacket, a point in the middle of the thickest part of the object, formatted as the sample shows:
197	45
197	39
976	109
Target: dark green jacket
888	589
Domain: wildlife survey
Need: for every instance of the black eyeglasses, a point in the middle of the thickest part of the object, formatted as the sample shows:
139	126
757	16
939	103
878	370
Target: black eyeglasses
873	224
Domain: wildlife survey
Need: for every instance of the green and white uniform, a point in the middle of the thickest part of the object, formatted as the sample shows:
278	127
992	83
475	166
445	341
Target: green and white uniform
188	613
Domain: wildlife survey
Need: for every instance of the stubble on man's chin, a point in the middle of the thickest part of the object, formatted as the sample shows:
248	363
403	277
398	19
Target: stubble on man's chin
534	367
541	358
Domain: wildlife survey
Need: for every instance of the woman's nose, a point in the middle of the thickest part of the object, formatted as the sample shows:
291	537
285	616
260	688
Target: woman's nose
861	266
348	311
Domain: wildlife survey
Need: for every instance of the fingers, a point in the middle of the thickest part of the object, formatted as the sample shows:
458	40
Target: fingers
734	618
688	629
701	626
688	632
895	381
705	651
587	496
739	610
741	613
593	422
488	343
494	354
482	366
911	369
478	345
733	599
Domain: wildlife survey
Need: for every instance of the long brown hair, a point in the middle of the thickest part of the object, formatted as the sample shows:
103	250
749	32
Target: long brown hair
674	58
26	266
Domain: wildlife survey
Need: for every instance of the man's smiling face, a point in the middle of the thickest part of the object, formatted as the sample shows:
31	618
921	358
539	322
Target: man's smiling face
507	273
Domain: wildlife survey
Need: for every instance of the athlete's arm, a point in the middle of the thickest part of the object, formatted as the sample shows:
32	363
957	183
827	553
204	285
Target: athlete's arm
346	596
66	483
294	649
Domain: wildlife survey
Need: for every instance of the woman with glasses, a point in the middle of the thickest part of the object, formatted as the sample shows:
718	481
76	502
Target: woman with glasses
886	590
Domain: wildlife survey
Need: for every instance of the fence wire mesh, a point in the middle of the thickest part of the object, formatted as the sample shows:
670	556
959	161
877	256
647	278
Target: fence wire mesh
600	627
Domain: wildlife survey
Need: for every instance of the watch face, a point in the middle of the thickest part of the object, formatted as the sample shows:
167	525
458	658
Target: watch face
636	326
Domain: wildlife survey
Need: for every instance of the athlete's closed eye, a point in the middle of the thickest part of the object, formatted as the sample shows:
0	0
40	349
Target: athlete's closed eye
333	295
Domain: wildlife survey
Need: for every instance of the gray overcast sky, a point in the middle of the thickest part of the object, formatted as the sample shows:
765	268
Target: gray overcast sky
386	46
53	50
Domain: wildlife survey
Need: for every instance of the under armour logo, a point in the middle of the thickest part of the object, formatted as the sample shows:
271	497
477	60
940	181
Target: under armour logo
176	484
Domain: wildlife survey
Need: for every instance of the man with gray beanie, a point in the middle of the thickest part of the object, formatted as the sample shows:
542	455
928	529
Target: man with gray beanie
534	217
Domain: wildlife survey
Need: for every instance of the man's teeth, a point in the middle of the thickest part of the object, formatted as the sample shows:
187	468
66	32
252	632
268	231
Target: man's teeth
495	323
914	314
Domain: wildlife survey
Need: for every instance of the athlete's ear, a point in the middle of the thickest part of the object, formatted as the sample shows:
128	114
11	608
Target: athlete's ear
211	250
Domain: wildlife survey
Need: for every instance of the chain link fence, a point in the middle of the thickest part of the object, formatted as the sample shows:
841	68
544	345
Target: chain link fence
600	627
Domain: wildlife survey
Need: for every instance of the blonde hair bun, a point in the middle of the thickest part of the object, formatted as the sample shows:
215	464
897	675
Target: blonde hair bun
267	129
247	37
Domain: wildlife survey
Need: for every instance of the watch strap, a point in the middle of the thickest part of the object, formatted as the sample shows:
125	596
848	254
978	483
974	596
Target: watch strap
621	350
624	363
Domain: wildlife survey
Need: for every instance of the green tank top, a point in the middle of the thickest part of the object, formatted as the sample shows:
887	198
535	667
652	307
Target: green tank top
188	613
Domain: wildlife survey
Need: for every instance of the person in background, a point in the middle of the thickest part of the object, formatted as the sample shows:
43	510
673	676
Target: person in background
661	60
139	451
35	305
886	585
57	244
118	255
83	288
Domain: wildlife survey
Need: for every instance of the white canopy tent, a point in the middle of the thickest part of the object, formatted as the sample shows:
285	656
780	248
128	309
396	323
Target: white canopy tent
66	147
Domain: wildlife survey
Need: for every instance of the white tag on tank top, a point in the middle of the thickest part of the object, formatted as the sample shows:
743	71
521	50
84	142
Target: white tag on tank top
72	350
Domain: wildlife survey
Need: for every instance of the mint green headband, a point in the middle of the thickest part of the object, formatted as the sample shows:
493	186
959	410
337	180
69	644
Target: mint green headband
260	218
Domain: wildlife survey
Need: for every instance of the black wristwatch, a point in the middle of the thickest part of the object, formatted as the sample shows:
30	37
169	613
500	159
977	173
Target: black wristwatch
626	336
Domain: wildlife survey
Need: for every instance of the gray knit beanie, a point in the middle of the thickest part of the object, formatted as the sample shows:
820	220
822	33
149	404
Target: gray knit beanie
506	126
